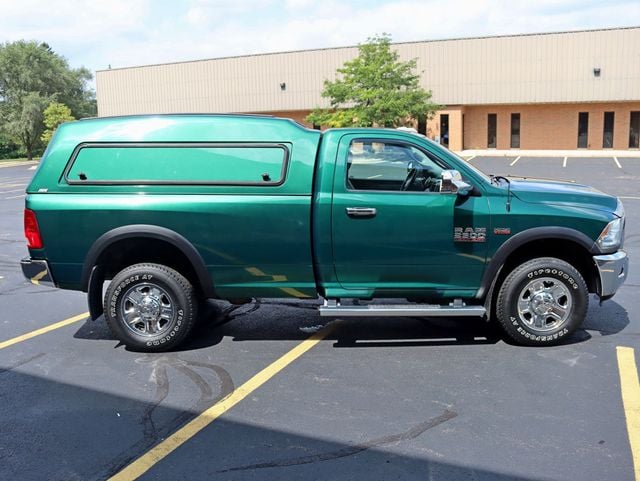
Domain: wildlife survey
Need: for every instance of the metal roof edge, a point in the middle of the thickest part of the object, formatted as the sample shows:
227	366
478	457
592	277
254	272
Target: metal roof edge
454	39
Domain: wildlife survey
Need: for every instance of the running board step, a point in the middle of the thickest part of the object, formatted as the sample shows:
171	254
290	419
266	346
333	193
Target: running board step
334	308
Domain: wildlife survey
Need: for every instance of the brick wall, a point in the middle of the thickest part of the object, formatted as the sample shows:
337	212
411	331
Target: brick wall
542	126
455	126
548	126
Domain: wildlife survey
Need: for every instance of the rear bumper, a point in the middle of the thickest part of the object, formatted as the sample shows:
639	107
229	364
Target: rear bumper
613	269
37	271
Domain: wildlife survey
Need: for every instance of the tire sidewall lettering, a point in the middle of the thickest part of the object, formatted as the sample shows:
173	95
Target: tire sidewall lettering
174	330
182	313
559	274
514	320
537	337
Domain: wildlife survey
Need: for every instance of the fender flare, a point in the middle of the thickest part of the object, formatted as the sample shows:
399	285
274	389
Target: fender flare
536	233
150	232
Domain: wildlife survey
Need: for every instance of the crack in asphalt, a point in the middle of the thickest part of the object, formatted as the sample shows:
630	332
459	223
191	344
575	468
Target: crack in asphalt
27	285
160	376
12	241
354	449
313	307
5	370
228	313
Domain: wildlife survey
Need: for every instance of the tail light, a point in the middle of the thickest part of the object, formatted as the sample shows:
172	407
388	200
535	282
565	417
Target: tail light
31	230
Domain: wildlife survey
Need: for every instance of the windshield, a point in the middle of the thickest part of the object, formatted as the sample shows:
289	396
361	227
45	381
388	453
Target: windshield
472	167
469	166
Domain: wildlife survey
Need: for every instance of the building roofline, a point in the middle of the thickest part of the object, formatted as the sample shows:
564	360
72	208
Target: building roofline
186	114
482	37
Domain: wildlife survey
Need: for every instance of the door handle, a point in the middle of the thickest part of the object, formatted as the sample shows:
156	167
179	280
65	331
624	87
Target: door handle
362	212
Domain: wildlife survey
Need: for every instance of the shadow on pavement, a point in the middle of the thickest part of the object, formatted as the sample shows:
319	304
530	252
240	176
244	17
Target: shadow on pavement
272	320
68	432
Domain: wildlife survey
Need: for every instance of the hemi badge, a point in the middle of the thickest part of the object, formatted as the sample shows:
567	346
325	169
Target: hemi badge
502	231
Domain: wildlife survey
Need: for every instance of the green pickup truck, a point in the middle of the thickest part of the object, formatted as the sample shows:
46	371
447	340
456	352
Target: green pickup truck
176	209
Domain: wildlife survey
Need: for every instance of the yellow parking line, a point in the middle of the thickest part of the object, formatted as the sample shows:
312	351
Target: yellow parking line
43	330
141	465
630	388
36	279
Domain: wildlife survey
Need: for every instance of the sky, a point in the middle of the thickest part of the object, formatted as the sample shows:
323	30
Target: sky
123	33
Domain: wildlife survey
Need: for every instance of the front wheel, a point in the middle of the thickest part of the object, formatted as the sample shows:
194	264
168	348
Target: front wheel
150	307
542	301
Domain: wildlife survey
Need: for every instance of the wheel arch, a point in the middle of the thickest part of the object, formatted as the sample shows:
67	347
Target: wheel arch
141	243
563	243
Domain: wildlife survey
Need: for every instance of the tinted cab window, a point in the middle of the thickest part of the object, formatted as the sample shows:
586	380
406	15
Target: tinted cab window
392	166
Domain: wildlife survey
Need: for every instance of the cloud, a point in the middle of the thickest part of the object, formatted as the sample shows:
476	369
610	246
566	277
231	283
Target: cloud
139	32
70	19
296	4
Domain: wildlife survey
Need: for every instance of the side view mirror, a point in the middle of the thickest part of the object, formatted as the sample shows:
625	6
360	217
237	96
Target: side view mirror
452	182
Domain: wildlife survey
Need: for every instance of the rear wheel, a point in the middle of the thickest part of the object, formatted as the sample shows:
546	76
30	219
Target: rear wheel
150	307
542	301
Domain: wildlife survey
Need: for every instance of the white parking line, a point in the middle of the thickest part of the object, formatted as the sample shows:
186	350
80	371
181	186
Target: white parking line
471	158
628	197
11	191
15	196
564	162
10	185
514	162
615	159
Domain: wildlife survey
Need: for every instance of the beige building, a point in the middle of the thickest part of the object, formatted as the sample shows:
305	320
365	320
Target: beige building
542	91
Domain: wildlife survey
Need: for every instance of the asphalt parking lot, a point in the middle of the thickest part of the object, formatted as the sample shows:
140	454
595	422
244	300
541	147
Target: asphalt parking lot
364	399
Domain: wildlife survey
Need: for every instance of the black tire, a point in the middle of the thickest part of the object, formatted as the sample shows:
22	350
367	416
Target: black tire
542	301
163	301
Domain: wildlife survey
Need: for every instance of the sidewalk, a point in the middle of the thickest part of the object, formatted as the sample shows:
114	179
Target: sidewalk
17	162
548	153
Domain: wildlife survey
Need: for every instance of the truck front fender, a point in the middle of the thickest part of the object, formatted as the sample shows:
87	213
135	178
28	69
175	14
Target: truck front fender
498	260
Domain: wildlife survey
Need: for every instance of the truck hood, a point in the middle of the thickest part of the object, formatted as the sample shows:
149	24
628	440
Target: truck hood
556	192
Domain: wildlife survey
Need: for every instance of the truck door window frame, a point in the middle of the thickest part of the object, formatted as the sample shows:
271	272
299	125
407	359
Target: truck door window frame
391	142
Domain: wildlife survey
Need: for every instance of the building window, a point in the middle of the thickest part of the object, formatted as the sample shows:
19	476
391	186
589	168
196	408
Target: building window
515	131
462	132
607	132
634	130
492	121
422	124
583	129
444	130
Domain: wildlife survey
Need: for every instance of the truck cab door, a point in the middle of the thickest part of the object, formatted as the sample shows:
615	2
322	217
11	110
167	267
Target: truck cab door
394	232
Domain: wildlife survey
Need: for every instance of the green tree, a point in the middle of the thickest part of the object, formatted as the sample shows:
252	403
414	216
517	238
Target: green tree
54	115
25	124
32	76
374	89
8	148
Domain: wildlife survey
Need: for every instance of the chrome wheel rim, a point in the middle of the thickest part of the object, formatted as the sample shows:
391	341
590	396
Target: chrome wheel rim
544	304
147	310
